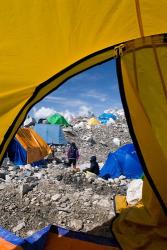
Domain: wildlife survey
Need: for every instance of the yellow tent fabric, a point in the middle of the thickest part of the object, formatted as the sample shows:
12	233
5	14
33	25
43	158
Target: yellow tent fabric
93	121
145	87
43	43
144	80
35	146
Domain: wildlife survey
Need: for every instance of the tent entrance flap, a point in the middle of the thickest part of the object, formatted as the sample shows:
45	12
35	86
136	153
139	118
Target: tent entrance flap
142	74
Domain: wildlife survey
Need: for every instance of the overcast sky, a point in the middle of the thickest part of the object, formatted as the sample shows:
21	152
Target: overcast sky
95	89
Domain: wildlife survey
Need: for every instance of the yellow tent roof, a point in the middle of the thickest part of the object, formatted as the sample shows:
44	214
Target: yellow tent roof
93	121
50	41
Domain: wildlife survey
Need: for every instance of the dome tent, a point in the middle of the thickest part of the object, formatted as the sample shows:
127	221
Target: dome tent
124	161
57	119
69	47
27	147
93	122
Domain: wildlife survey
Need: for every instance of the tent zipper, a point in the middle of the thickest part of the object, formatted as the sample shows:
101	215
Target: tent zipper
118	50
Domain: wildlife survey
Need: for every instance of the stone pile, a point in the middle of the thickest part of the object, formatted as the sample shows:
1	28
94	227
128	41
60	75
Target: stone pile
98	140
31	198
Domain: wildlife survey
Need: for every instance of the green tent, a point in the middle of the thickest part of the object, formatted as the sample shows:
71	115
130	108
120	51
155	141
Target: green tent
58	120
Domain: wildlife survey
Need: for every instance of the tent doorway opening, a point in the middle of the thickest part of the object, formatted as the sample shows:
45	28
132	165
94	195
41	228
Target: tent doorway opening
86	110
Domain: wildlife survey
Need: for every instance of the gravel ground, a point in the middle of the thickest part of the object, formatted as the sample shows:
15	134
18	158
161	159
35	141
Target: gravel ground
33	197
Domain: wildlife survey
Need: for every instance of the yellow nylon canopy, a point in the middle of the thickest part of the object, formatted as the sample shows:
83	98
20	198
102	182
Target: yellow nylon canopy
144	77
34	145
93	121
40	39
43	43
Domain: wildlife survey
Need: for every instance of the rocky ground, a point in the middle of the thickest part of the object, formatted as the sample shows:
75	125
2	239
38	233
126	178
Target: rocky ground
98	140
33	197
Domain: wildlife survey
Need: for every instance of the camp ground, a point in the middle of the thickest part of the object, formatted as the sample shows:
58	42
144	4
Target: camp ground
45	43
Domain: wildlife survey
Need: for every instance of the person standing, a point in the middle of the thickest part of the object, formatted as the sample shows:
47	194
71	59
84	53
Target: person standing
73	155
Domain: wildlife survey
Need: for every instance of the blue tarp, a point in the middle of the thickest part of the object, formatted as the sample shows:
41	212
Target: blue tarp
39	240
104	118
52	134
16	153
122	162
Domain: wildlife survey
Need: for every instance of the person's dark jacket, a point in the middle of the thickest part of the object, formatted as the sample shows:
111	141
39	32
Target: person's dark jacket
73	152
94	166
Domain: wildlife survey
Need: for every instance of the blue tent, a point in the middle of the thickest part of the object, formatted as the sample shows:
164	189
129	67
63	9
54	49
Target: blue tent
124	161
52	134
18	154
104	118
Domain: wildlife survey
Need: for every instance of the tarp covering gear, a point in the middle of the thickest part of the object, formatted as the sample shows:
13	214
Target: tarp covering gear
27	147
52	134
124	161
55	238
93	122
134	191
105	117
58	119
44	43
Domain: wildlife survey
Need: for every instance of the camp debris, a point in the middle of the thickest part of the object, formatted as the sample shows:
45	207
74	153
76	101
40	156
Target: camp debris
134	191
110	121
124	161
93	122
43	121
30	121
27	147
52	134
57	119
116	141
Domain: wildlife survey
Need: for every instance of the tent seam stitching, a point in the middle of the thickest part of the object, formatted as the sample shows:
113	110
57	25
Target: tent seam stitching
139	18
159	70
